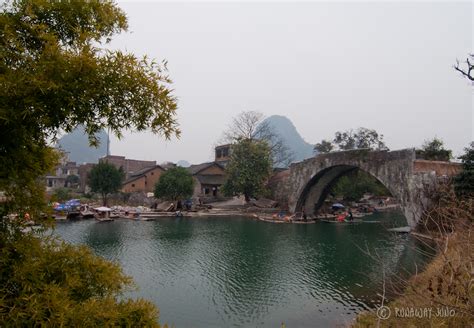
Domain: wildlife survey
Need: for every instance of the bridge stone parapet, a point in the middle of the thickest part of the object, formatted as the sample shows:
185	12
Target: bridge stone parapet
306	184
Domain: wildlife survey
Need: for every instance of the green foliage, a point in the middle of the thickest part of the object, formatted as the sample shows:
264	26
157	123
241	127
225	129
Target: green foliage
362	138
55	73
355	184
61	194
323	147
175	184
46	282
249	168
433	150
105	179
464	181
72	180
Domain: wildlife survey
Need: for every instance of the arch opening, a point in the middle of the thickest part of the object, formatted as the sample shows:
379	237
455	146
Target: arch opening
328	182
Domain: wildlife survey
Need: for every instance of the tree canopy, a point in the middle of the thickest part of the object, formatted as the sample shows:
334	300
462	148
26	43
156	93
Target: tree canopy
359	139
251	125
434	150
55	73
464	181
249	168
323	147
355	184
105	179
175	184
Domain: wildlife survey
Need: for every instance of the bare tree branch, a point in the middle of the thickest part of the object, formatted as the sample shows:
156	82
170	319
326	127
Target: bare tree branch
466	72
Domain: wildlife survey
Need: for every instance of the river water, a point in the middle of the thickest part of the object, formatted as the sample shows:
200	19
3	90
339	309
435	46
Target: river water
235	271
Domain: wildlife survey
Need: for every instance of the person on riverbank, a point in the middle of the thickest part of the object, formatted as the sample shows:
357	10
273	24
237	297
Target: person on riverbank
305	217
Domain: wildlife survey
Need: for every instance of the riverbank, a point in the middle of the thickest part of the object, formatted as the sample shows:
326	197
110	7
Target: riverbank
440	296
443	294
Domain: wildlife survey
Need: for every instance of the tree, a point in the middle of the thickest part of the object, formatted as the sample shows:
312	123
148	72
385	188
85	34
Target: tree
105	179
249	168
251	125
434	150
55	74
464	181
466	72
62	194
359	139
323	147
72	180
355	184
175	184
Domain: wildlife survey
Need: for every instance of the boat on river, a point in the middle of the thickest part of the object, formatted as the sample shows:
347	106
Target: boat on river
345	221
285	219
103	214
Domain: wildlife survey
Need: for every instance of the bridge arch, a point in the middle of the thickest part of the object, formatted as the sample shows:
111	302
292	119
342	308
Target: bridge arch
316	190
309	180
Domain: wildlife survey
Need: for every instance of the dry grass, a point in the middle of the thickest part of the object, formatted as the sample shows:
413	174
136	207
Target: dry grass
447	283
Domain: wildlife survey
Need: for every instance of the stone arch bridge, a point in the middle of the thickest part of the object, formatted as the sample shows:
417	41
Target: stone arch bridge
306	184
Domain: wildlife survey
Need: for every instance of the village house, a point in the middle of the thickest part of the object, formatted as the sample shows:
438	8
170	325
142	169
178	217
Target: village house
208	179
129	166
66	174
143	180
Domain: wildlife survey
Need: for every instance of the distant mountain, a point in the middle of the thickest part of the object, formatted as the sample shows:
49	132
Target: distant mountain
290	136
76	144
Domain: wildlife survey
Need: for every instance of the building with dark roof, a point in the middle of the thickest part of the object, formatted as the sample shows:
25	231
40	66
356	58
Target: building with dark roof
143	180
208	179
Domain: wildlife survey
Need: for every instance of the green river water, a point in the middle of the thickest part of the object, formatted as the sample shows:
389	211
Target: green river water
238	272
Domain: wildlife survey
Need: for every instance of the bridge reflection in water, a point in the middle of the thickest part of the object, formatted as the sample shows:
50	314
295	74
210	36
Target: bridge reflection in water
216	272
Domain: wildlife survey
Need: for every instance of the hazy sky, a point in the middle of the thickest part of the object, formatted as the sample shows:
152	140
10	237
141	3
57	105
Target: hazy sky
326	66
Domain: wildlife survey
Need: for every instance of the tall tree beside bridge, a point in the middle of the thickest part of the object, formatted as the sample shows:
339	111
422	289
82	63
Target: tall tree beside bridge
464	181
359	139
55	74
323	147
249	168
434	150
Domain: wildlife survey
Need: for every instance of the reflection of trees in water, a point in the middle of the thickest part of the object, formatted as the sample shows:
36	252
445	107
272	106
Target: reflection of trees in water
341	260
105	238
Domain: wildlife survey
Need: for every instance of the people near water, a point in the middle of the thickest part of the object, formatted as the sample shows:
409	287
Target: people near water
305	217
341	217
350	216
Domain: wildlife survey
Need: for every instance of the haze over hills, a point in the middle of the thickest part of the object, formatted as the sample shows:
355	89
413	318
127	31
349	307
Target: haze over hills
78	150
76	144
290	136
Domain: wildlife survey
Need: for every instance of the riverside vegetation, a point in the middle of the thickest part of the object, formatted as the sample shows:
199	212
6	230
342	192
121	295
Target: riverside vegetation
447	284
55	75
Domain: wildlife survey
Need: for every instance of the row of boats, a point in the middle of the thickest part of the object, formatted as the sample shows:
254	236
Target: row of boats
298	218
102	214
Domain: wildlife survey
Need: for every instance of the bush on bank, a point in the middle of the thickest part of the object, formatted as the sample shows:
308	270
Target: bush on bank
47	282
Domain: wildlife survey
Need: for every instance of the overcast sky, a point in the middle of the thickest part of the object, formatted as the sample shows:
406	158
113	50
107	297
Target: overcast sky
326	66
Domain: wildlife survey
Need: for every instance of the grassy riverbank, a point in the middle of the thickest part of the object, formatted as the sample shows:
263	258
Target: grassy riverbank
443	294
